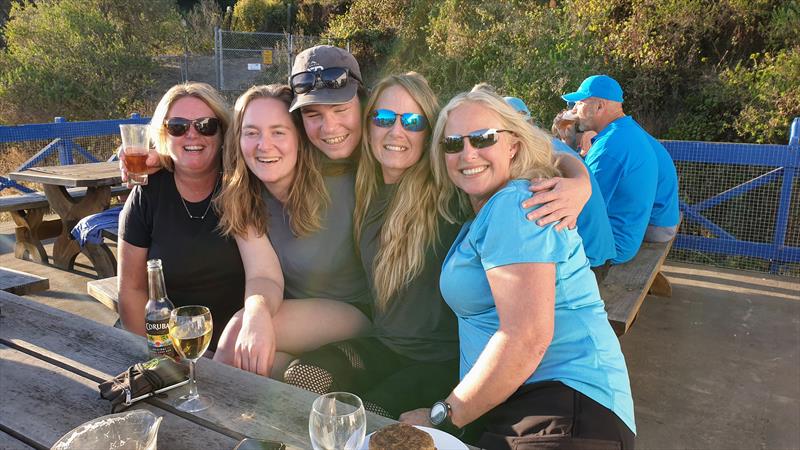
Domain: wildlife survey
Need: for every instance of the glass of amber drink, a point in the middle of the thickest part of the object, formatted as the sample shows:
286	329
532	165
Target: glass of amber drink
190	329
135	145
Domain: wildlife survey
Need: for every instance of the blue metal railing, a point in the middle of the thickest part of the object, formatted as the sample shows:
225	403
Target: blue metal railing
784	158
61	135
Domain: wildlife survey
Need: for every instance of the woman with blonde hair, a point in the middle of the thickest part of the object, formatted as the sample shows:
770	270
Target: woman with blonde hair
411	358
294	232
171	217
540	363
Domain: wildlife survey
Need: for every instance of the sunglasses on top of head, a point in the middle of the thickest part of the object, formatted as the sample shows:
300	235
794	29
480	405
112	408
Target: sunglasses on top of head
385	118
484	138
330	78
178	126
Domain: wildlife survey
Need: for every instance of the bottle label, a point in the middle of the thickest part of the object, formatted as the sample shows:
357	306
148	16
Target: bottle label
158	340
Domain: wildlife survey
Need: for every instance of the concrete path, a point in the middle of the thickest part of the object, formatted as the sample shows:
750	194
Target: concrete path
717	366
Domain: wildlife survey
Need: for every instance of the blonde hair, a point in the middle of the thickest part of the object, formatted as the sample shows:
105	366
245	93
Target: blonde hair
240	203
412	211
202	91
533	159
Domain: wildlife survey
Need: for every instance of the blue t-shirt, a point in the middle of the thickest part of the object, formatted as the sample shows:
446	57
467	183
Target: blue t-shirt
593	224
665	207
624	165
584	353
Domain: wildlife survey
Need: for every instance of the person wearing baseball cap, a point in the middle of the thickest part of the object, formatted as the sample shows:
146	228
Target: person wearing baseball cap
327	85
624	159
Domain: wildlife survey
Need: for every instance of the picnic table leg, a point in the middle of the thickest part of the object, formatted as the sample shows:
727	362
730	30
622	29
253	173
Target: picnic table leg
661	286
27	234
105	264
71	211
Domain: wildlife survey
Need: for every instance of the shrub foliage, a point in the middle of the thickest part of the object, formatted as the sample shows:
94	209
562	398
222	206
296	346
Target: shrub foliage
691	69
87	59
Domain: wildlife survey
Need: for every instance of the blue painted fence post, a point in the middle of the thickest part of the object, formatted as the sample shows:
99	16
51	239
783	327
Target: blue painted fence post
64	150
782	220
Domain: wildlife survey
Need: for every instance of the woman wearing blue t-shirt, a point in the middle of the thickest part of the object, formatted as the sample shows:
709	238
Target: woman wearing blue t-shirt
539	361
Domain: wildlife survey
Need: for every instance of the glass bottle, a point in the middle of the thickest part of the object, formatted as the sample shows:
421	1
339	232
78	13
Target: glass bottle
156	312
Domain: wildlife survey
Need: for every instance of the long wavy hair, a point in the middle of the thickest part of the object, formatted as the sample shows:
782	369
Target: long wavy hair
534	157
202	91
240	204
412	211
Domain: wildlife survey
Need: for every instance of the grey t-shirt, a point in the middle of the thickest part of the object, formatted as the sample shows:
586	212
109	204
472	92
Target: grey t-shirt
418	323
324	264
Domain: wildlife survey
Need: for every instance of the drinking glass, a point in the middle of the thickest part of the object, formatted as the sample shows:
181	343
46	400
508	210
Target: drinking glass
190	329
135	145
337	422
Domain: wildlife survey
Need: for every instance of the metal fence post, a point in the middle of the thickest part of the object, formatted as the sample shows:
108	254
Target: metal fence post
217	56
64	151
782	221
289	54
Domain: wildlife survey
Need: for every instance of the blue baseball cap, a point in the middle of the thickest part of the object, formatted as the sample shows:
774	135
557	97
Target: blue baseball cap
600	86
519	106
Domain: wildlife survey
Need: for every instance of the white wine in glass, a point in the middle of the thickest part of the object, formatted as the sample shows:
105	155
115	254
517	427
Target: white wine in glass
190	328
337	422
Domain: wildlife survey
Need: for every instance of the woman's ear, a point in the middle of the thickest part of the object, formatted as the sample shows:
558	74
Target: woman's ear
514	149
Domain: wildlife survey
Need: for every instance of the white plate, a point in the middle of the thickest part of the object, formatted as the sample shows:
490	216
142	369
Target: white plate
441	440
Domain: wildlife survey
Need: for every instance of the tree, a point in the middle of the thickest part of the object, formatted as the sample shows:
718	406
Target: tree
84	59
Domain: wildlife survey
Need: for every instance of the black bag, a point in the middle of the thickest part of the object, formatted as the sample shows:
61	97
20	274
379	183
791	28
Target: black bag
143	380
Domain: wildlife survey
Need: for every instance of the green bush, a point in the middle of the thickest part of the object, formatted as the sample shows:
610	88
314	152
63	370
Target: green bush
685	65
200	23
259	15
83	59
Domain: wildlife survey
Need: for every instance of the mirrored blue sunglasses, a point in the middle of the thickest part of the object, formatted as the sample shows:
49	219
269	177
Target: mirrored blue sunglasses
385	118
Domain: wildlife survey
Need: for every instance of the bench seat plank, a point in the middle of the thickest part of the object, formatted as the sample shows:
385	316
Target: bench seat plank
626	285
105	291
21	283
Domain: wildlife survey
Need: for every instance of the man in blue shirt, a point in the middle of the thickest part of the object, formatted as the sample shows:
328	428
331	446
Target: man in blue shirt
593	225
621	159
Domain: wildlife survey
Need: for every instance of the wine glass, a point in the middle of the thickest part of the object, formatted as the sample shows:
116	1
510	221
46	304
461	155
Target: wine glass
337	422
190	329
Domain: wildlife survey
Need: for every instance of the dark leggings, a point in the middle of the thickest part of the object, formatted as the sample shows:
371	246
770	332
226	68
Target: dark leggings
388	383
550	415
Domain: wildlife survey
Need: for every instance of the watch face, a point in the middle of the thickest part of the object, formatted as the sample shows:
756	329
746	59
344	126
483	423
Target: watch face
438	413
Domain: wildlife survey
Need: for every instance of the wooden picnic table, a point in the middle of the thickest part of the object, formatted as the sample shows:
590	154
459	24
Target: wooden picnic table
52	361
97	178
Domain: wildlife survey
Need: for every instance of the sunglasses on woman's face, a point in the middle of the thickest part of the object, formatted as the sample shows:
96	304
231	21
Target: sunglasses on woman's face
178	126
486	137
385	118
330	78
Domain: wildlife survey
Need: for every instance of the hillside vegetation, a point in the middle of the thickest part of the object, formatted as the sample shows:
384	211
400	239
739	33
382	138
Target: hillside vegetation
726	70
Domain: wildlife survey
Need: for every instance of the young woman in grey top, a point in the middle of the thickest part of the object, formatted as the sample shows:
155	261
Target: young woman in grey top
274	183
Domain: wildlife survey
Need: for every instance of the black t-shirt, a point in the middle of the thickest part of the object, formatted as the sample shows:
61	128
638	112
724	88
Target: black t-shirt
418	323
200	266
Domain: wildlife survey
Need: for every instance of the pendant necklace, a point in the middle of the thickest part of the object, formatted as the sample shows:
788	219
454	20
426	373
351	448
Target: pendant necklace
216	185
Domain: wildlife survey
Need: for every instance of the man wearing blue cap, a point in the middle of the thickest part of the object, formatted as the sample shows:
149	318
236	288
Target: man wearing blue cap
625	163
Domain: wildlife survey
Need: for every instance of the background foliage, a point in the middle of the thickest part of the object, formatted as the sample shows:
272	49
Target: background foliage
691	69
724	70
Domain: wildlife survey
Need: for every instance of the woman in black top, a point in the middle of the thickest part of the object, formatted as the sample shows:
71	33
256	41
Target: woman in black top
171	218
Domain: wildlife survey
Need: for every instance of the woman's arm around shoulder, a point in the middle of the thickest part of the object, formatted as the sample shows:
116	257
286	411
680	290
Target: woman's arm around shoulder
562	198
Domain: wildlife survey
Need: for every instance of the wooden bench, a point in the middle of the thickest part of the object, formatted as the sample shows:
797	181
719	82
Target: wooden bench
626	285
28	211
105	291
21	283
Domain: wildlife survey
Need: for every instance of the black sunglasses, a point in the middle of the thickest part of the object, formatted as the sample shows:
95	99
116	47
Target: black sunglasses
330	78
478	139
385	118
178	126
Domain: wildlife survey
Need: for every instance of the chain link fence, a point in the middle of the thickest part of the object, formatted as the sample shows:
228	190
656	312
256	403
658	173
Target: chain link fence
244	59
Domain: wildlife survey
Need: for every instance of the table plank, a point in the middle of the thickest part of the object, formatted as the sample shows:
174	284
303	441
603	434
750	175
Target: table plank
21	283
245	404
8	442
42	402
73	175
